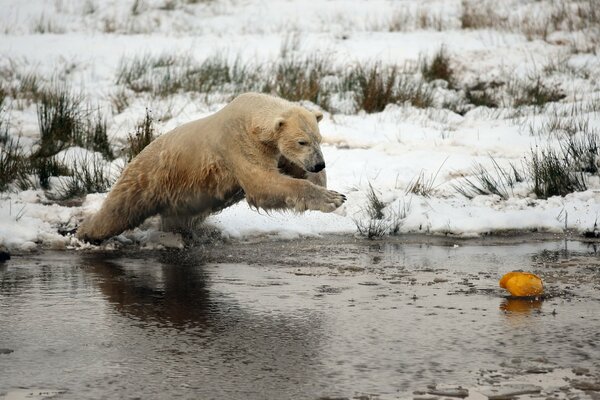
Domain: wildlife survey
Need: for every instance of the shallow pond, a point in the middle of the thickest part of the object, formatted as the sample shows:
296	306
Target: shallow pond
304	319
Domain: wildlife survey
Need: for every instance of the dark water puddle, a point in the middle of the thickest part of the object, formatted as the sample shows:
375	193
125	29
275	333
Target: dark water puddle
302	319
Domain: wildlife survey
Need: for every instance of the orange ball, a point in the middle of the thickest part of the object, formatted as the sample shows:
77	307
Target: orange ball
522	284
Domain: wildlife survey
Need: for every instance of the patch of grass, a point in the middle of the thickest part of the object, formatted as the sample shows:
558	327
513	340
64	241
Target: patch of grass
376	224
168	74
458	106
423	185
413	91
109	25
29	87
311	78
137	7
535	93
246	77
46	167
143	135
46	25
560	126
298	79
404	20
95	136
533	27
560	65
400	21
420	185
65	122
399	216
86	175
499	181
59	119
426	19
135	72
19	83
119	101
550	172
3	95
562	170
89	7
216	73
375	86
553	174
132	70
480	98
13	164
573	16
478	15
3	116
584	151
481	94
534	19
375	205
438	67
169	5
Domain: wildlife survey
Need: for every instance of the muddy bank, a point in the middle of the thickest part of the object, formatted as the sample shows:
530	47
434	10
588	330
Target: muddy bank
303	319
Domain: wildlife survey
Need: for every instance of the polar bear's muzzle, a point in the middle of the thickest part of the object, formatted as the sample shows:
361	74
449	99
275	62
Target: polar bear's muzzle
317	168
316	162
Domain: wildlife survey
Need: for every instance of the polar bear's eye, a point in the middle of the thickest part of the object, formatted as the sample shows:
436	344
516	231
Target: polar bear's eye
302	142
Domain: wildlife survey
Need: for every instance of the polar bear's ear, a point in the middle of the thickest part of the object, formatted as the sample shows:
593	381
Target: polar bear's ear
279	123
318	115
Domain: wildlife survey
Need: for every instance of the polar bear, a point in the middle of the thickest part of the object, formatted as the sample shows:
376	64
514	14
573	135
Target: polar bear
258	147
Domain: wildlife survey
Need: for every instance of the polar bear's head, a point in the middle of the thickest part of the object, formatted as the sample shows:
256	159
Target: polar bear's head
299	140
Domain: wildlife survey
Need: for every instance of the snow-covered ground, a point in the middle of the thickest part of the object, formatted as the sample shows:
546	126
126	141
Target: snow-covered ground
84	42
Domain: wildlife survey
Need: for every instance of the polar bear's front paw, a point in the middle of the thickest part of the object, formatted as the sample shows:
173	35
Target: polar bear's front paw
332	201
325	200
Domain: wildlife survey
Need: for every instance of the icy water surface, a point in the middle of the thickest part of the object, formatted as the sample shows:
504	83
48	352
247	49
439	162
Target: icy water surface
305	319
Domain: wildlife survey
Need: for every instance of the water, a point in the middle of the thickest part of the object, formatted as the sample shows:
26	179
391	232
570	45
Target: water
301	319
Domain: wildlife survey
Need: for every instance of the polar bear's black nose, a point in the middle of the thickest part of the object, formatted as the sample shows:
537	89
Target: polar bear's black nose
319	167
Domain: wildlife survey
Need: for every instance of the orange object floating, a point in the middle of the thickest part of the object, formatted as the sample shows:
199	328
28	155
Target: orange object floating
522	284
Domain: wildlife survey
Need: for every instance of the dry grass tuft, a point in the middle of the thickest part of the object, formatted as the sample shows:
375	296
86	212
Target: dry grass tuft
144	134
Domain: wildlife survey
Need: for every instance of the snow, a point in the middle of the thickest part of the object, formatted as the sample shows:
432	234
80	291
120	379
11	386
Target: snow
85	41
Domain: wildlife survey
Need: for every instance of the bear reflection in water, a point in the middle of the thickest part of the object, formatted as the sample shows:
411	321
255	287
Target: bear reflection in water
181	315
179	293
174	295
